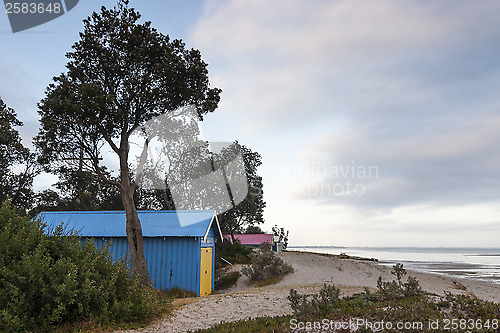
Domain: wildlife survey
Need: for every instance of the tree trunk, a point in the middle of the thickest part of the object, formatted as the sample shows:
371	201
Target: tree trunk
134	237
133	228
167	199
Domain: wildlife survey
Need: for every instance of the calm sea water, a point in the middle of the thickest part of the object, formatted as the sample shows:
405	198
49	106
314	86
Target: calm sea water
472	263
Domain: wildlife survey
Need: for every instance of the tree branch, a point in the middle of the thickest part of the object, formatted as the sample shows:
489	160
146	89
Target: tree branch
102	176
143	158
108	139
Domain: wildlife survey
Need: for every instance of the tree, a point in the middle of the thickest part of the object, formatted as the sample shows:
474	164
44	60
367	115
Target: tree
254	229
282	236
248	212
224	180
78	191
199	175
120	75
17	163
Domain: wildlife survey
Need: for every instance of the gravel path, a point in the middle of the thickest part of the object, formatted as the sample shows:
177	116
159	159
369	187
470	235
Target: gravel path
214	309
311	271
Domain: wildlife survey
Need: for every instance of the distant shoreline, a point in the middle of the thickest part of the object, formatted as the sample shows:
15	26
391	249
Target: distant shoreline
478	264
398	247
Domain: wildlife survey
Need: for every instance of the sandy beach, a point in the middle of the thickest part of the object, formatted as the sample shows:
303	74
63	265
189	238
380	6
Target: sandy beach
311	272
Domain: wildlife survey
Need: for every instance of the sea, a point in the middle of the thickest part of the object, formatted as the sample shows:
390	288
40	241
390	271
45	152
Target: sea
482	264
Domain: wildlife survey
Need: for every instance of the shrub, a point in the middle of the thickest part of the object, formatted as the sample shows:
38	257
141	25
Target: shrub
225	280
320	305
176	292
234	253
470	307
266	265
469	312
49	280
398	289
327	301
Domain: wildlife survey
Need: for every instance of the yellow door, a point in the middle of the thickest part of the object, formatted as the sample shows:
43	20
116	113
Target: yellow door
206	271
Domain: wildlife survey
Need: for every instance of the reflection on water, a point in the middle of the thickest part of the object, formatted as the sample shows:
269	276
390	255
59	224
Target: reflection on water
474	263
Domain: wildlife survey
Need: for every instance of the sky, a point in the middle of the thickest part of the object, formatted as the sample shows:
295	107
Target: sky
378	121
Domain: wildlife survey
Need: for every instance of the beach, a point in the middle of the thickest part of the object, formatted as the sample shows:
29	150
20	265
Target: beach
482	264
312	270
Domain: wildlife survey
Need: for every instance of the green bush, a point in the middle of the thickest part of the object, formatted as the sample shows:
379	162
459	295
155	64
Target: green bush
234	253
266	265
398	289
419	310
47	280
327	301
321	304
225	280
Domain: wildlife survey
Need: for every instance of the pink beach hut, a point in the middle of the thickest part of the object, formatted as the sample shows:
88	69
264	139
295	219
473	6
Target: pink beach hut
252	239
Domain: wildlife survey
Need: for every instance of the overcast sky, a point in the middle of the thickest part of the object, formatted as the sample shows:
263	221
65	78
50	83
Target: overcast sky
378	121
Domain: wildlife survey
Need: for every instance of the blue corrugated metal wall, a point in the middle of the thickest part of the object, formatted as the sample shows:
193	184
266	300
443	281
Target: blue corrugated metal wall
172	261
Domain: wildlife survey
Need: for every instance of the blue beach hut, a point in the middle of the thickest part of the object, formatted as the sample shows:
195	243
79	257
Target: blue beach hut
179	245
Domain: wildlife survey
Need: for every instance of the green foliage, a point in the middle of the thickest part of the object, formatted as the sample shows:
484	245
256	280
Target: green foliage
248	212
121	75
398	289
399	272
254	229
282	234
235	253
465	307
78	191
266	265
225	279
47	280
328	302
320	304
178	293
257	325
15	186
409	309
419	309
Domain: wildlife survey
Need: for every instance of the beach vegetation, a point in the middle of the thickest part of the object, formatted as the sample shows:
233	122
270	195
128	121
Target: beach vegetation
225	279
266	266
398	288
234	253
226	255
419	313
54	280
416	310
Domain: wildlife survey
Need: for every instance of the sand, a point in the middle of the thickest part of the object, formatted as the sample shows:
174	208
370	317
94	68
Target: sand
311	272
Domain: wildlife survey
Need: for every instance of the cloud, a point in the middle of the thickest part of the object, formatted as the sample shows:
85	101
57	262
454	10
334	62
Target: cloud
409	88
450	166
282	59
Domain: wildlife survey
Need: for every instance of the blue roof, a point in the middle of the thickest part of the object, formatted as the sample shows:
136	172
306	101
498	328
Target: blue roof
154	223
